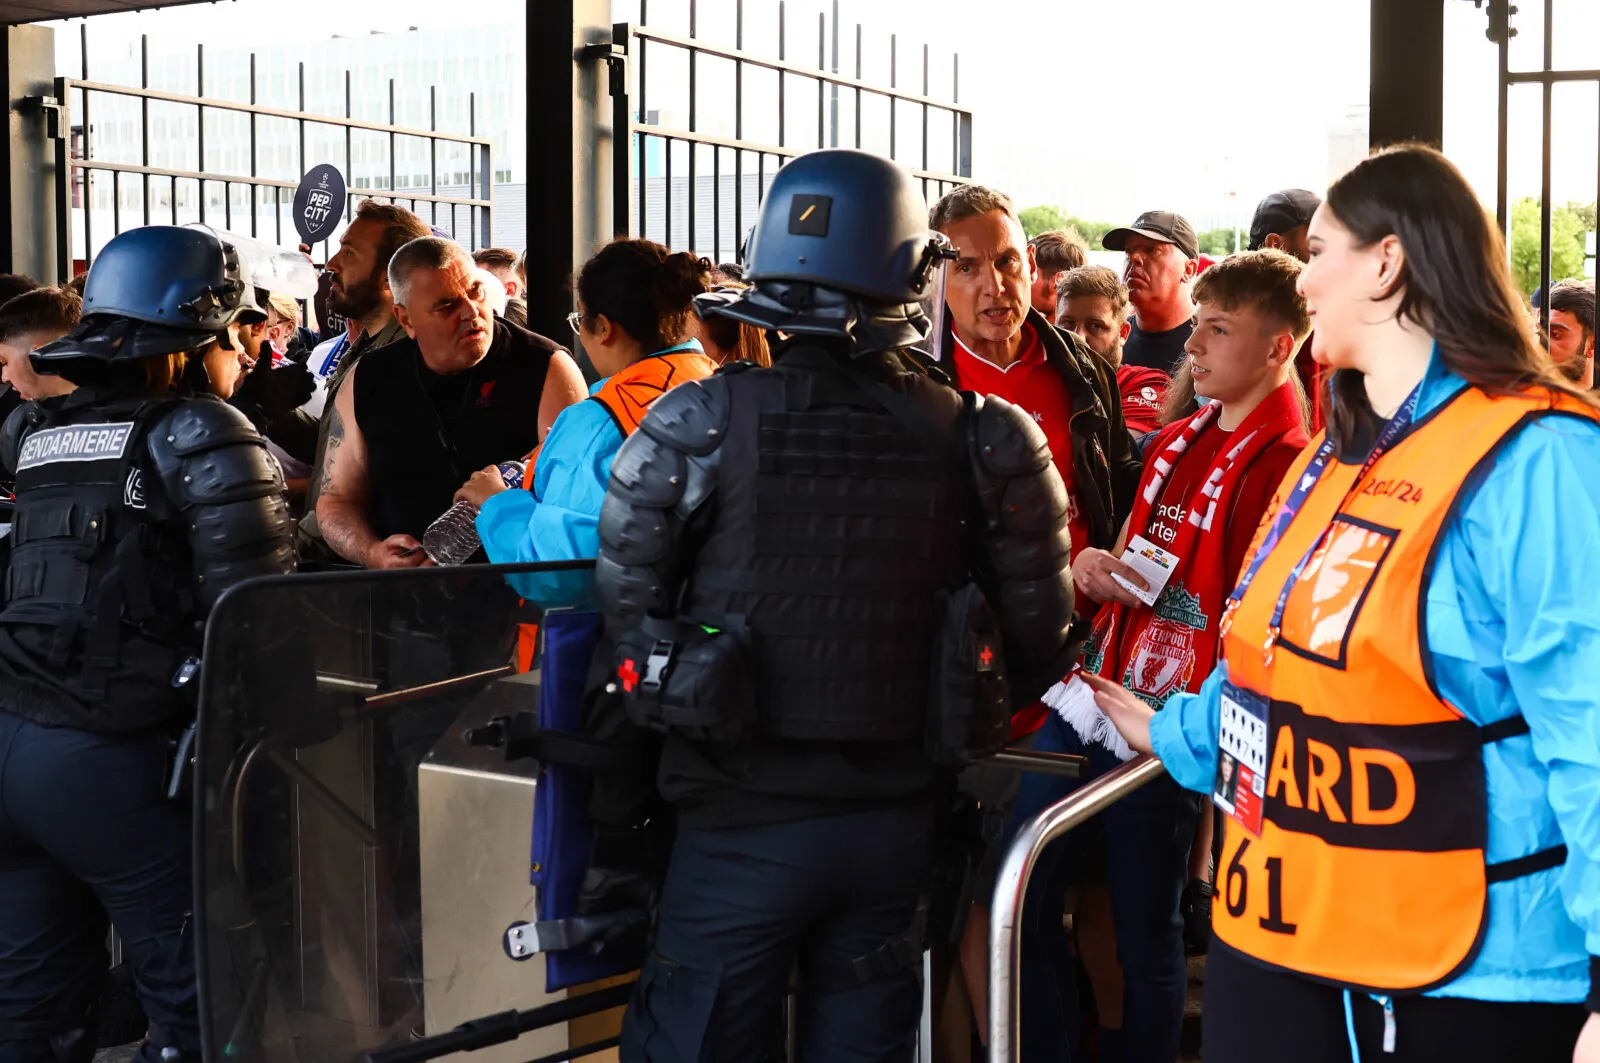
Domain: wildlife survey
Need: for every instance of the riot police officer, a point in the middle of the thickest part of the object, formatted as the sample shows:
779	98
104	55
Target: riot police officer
812	573
141	497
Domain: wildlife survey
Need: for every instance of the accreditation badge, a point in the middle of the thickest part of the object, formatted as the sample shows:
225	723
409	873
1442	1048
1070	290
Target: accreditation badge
1241	784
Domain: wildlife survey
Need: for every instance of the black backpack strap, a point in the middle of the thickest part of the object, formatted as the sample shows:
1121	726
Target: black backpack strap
1500	730
1532	864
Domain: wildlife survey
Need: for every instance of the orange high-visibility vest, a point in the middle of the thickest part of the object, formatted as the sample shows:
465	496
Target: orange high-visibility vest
627	397
1370	868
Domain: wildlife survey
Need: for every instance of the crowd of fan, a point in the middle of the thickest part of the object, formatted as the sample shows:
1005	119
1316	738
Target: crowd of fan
423	381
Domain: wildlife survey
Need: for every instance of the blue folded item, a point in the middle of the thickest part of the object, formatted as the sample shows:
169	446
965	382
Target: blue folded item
563	833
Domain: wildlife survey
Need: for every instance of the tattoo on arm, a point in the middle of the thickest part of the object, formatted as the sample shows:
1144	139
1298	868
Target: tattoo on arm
330	449
342	501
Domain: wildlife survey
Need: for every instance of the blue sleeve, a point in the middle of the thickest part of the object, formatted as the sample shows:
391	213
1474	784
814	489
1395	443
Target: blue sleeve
1184	733
559	519
1529	542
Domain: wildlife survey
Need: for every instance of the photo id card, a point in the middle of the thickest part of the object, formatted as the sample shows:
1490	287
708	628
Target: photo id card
1240	788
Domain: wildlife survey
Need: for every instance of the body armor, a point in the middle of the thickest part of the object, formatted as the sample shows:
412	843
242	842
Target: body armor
133	514
837	536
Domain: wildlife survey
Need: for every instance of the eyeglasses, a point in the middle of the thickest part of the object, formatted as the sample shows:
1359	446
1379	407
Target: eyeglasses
575	321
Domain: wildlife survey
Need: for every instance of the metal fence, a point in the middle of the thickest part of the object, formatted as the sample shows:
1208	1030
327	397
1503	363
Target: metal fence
1501	30
700	191
246	202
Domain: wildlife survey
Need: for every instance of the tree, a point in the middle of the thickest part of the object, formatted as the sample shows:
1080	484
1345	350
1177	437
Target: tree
1566	244
1036	220
1216	242
1092	231
1585	213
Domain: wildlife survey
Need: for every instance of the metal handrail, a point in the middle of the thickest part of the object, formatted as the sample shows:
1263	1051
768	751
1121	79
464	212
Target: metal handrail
1005	946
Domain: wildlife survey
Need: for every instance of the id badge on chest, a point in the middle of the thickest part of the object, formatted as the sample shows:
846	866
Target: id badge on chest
1241	784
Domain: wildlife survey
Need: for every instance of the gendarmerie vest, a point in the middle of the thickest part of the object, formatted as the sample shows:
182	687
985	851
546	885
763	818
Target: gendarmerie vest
98	614
836	529
426	434
1370	868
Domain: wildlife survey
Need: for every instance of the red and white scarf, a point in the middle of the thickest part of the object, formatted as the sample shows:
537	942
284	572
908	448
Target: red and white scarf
1200	546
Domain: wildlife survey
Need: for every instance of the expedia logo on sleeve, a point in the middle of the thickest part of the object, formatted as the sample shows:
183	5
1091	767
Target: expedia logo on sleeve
92	442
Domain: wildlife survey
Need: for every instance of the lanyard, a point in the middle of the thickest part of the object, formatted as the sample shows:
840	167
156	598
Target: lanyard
1291	508
331	360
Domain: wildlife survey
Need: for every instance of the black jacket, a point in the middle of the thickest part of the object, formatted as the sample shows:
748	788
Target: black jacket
1103	457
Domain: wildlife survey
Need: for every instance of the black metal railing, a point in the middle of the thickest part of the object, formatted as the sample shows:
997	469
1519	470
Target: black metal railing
269	199
671	202
1501	31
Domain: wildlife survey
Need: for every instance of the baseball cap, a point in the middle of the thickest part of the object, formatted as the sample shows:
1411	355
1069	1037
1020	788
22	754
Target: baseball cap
1280	212
1164	225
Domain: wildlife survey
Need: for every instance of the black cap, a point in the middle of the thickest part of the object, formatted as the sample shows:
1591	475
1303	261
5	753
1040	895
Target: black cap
1280	212
1164	225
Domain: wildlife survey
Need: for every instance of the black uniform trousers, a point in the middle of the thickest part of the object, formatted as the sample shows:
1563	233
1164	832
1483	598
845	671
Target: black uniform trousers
741	906
86	831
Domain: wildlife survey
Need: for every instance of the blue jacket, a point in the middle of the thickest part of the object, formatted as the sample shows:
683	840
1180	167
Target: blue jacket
559	519
1513	625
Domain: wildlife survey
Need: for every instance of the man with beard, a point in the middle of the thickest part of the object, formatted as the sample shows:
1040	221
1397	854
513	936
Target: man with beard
1162	262
1092	302
359	291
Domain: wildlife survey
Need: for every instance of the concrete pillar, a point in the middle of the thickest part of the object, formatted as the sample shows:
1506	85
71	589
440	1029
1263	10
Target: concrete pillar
31	232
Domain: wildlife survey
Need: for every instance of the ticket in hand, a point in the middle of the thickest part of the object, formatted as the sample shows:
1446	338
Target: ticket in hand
1154	564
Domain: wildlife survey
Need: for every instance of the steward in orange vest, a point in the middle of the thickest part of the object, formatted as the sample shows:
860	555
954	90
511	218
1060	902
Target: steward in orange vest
1403	729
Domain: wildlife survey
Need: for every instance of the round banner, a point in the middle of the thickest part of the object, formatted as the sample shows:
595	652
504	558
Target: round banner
319	202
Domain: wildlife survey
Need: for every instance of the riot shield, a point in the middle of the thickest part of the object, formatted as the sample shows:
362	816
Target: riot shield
358	860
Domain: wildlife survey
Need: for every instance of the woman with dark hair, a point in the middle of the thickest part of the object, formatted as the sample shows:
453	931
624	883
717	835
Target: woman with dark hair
724	339
635	308
1411	866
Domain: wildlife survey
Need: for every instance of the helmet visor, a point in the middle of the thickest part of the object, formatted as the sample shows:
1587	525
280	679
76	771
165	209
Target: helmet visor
933	306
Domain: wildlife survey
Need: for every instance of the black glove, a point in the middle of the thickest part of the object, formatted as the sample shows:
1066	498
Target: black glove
267	394
1196	909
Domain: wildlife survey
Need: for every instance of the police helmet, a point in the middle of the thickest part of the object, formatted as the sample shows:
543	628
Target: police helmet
157	290
842	248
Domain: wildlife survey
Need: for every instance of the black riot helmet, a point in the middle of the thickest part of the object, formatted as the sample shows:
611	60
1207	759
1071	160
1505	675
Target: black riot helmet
158	289
842	248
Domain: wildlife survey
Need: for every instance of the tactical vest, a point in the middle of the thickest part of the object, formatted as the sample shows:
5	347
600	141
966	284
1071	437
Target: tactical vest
1370	868
98	611
835	531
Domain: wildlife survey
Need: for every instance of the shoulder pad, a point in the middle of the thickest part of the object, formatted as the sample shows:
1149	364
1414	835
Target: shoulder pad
692	417
21	419
1008	441
647	472
199	425
734	366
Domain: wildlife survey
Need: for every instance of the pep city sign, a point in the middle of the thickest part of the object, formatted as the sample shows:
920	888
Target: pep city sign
319	202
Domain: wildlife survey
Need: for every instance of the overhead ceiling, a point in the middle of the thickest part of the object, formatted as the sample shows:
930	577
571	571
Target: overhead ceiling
13	11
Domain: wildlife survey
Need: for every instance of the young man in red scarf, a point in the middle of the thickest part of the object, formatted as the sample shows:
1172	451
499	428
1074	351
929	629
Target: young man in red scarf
1207	482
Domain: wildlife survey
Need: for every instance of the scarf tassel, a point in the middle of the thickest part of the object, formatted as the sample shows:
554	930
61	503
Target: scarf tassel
1073	700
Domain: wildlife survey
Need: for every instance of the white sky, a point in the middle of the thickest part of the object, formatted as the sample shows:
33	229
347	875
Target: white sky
1103	107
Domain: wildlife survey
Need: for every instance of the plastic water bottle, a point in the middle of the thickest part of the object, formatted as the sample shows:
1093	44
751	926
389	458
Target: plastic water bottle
453	538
